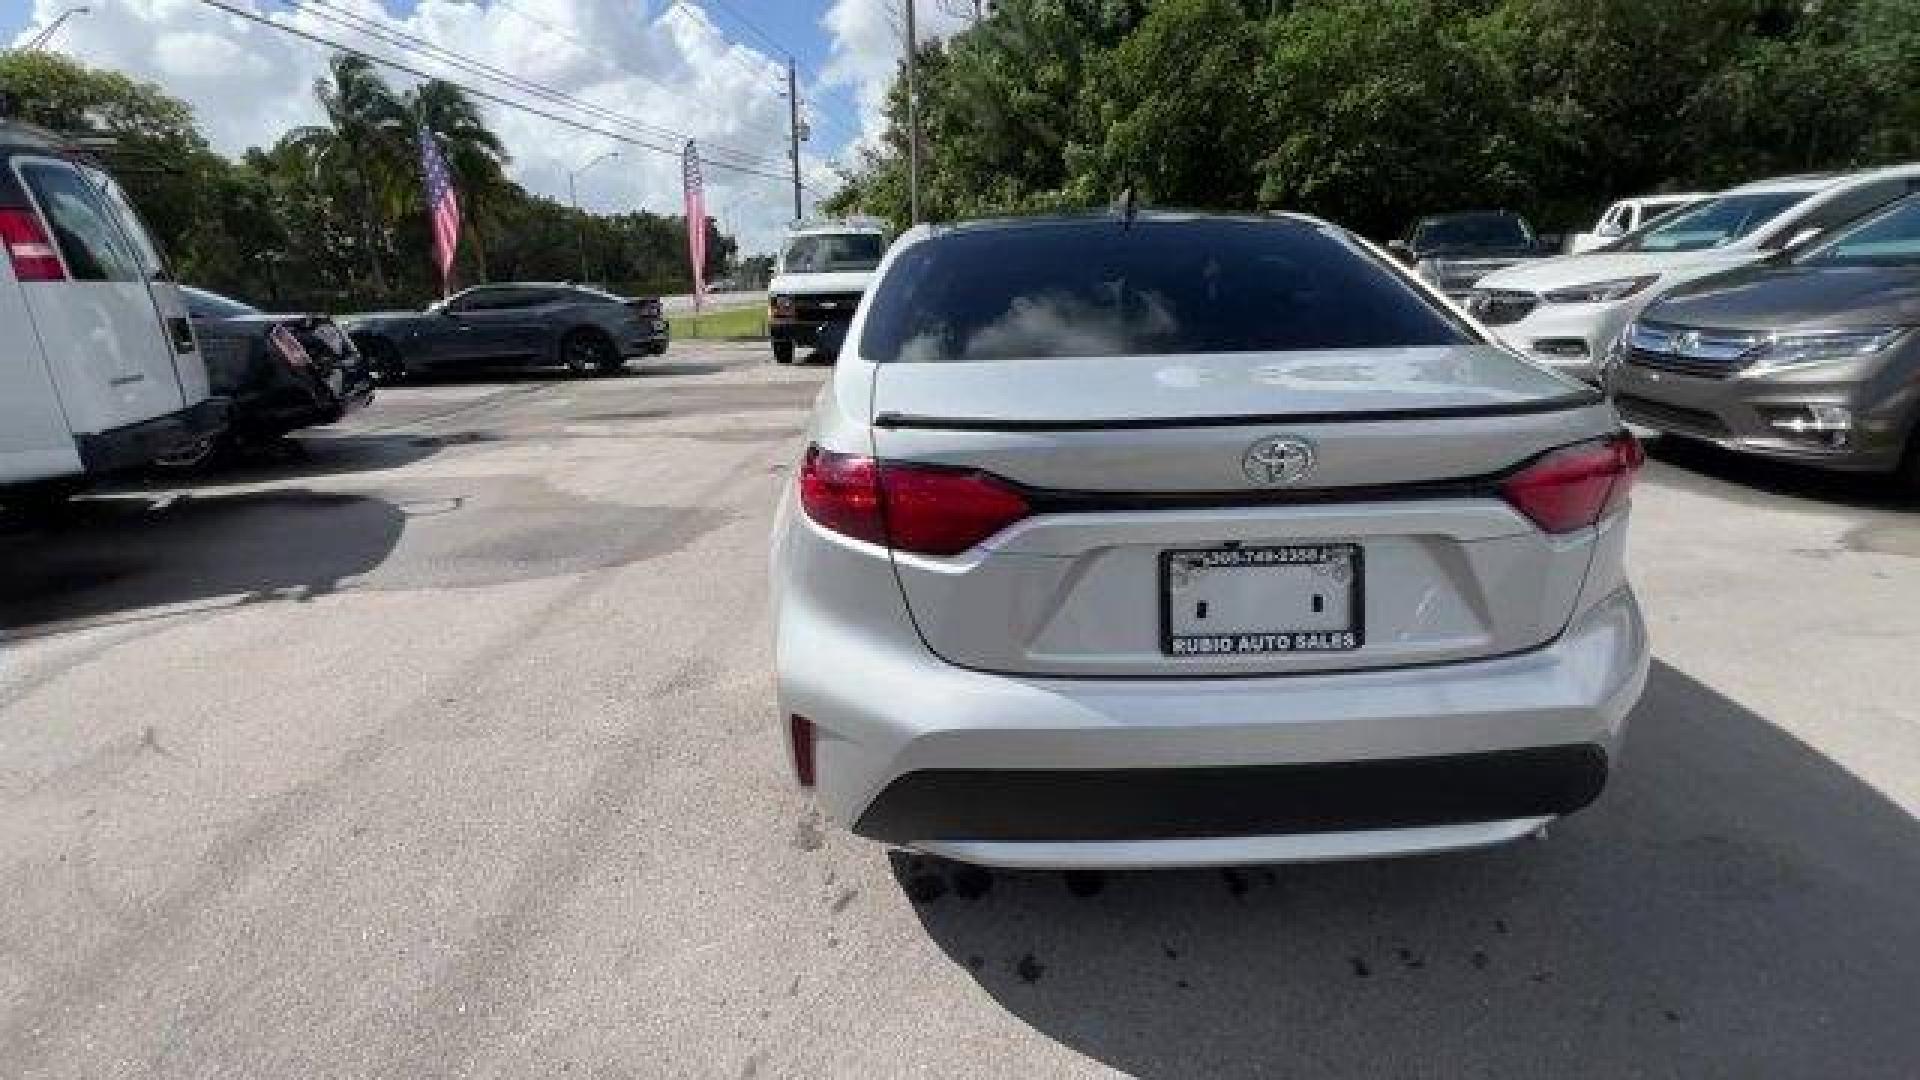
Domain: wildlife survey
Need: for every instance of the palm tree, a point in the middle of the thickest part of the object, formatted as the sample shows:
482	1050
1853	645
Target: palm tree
365	138
474	155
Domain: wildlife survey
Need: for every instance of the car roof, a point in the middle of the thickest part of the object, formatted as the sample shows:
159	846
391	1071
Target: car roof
1823	181
1452	215
1096	217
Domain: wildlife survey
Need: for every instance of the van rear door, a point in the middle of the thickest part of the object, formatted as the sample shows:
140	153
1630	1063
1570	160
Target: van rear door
105	341
168	302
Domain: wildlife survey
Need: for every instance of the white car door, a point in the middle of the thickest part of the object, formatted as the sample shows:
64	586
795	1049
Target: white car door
105	340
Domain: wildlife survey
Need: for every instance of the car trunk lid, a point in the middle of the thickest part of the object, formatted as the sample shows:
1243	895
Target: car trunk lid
1158	524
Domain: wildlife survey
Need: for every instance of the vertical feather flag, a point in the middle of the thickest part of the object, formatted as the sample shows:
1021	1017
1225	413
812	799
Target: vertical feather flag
696	223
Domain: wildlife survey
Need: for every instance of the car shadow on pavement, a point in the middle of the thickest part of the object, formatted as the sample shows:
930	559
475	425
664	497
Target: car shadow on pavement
1736	905
305	457
1757	480
107	556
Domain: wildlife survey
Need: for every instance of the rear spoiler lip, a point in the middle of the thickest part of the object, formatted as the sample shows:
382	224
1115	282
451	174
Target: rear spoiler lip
1576	400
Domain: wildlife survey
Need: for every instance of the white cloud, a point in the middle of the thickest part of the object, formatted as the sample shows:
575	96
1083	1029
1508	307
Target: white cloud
868	41
666	67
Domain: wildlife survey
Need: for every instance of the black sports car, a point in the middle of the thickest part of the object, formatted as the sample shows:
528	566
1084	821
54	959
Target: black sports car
520	324
281	372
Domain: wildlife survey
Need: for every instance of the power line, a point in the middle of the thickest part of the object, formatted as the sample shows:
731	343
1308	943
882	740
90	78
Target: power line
751	26
764	127
484	95
819	115
345	18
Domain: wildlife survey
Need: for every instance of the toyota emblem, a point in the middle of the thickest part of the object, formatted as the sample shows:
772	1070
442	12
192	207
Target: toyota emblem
1278	460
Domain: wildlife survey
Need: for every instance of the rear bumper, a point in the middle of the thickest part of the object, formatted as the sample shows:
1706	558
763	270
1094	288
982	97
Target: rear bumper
648	339
1030	772
136	445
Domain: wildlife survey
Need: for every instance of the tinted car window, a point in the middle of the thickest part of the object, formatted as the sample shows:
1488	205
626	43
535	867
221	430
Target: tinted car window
500	299
1843	208
121	210
1889	237
91	243
1714	222
205	305
1097	288
829	252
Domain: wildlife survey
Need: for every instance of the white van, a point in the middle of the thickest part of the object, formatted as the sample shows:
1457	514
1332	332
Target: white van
823	271
99	370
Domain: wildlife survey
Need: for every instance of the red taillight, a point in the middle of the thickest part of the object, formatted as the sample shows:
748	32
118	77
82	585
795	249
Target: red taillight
842	492
28	245
288	346
1577	486
922	509
781	306
800	733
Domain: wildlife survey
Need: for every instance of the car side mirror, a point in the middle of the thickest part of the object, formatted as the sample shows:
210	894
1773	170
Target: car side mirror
1401	251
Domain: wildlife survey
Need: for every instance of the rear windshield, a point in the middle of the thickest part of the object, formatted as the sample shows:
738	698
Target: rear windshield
1714	222
823	253
1096	288
1473	231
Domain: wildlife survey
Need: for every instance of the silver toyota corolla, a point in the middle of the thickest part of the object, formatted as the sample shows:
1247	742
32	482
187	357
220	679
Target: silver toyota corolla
1181	540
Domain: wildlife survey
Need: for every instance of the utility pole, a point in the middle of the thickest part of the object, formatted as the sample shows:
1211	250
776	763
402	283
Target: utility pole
913	119
579	219
793	134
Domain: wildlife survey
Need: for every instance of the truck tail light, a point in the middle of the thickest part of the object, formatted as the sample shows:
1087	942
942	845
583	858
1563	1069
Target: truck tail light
28	246
1577	486
921	509
781	306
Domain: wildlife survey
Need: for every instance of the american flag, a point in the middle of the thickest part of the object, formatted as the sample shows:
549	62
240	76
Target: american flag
443	203
696	223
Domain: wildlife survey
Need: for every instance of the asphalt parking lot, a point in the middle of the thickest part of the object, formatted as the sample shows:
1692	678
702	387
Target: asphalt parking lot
446	748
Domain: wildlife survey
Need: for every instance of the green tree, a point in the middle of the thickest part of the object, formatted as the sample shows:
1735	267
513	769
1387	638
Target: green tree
364	139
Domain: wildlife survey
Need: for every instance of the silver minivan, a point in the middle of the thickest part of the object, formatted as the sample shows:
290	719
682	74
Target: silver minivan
101	371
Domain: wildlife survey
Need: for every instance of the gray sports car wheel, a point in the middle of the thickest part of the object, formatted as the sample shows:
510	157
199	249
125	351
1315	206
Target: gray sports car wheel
587	351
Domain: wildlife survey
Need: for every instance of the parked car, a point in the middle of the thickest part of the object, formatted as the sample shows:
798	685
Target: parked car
1812	358
525	324
822	272
99	370
1196	540
1565	312
1627	215
1454	251
280	372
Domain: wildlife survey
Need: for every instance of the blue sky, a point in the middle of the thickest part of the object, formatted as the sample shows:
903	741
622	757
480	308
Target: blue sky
710	70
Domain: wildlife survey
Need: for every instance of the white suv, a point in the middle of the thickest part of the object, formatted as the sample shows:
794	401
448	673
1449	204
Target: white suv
1566	312
100	370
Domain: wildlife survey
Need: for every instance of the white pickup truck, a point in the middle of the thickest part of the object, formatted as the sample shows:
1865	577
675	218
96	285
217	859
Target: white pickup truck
1627	215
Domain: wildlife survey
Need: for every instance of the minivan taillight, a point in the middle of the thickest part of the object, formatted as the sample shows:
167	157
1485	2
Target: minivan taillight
1577	486
922	509
28	246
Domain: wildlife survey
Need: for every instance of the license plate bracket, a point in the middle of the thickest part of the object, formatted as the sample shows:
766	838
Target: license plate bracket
1251	600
